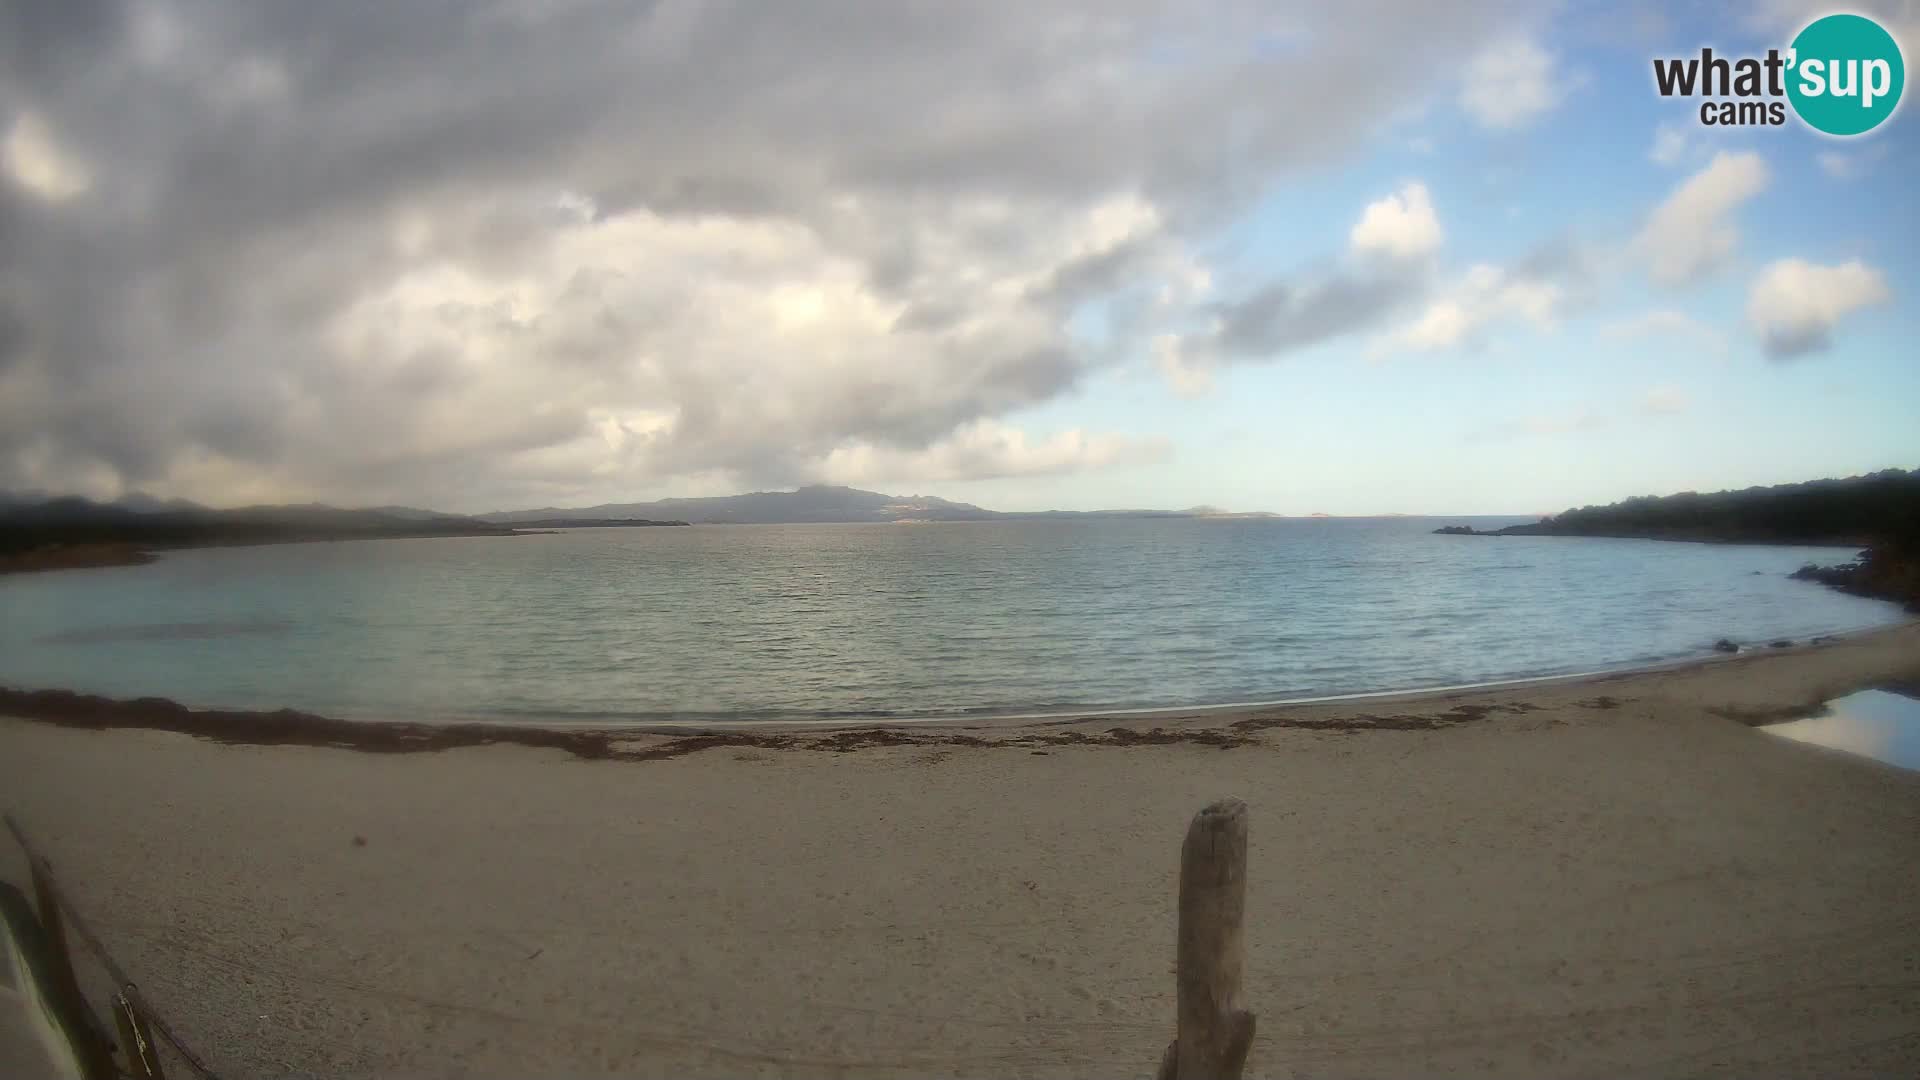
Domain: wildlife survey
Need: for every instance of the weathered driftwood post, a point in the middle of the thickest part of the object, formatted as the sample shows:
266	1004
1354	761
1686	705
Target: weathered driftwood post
1212	1032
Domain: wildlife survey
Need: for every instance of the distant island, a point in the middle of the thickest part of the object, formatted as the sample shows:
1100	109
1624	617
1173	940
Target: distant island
1879	512
595	523
827	504
44	532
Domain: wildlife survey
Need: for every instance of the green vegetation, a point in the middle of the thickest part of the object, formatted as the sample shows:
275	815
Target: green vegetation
69	532
1879	511
1876	509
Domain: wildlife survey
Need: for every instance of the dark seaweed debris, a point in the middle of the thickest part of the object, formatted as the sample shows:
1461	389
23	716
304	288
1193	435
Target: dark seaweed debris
290	727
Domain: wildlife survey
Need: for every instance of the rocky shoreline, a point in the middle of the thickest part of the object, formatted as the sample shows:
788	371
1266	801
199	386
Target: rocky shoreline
1880	573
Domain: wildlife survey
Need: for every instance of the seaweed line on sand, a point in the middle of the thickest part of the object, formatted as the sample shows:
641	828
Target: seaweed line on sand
290	727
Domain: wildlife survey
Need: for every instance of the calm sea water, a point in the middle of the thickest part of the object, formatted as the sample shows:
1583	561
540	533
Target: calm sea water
852	621
1871	723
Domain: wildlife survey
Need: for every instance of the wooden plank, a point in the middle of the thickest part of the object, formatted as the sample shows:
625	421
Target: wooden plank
1212	1033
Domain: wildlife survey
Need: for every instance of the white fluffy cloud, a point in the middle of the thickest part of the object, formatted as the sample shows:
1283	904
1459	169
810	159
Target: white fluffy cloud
1401	226
1666	324
35	160
989	449
1692	234
1510	84
507	253
1483	296
1794	304
1669	145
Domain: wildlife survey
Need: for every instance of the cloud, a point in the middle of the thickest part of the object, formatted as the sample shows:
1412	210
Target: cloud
1386	271
1387	274
1401	226
1510	84
988	449
1670	144
499	253
1188	370
1853	164
1794	305
35	160
1281	318
1784	18
1666	324
1690	235
1837	165
1485	295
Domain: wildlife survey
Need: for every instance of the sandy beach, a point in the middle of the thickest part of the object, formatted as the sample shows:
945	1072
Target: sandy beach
1605	877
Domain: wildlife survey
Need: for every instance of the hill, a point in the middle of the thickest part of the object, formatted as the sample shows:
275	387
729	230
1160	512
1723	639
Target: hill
815	503
821	503
1860	511
64	532
1879	511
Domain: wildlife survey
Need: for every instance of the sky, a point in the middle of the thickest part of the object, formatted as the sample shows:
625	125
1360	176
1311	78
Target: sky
1380	256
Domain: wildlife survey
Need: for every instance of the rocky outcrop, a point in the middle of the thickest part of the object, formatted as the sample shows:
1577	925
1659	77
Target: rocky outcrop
1884	572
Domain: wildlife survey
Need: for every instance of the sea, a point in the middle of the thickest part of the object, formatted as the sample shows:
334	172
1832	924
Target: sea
894	621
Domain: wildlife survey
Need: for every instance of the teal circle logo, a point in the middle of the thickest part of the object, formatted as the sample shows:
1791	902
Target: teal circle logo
1845	74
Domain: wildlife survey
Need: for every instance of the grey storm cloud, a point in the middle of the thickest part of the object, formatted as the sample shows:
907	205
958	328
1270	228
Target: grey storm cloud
488	252
1283	317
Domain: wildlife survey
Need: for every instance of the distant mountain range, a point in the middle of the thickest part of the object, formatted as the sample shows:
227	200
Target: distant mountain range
39	531
822	503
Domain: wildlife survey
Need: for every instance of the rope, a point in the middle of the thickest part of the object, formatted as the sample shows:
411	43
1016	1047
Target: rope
92	941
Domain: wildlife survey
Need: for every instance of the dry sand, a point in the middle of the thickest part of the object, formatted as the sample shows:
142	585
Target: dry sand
1609	877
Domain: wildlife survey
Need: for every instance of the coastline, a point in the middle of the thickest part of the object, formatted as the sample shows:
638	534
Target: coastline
74	557
1609	875
1219	724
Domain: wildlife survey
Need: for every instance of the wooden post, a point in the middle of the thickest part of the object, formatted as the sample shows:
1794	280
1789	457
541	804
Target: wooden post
1212	1033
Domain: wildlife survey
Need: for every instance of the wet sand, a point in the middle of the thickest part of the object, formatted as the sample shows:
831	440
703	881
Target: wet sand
1612	876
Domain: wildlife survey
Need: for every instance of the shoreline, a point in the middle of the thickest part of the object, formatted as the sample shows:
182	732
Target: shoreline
1613	875
1225	725
46	560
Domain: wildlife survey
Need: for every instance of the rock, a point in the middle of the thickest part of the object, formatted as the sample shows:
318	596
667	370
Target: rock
1723	645
1783	643
1455	530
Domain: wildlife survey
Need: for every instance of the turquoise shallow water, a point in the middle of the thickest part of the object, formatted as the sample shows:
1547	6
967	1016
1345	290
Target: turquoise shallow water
873	621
